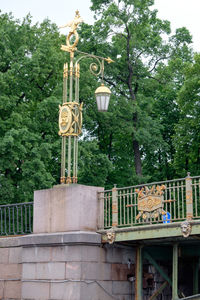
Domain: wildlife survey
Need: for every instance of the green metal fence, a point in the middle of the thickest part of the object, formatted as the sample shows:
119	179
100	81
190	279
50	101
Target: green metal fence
181	199
16	219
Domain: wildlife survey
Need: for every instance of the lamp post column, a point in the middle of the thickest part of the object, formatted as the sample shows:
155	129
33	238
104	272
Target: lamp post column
70	116
63	149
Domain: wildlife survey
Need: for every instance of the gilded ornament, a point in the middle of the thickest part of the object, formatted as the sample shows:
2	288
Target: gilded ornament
65	119
150	202
109	60
73	26
62	180
70	119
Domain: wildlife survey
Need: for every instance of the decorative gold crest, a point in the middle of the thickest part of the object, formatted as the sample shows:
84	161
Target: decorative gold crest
150	202
70	119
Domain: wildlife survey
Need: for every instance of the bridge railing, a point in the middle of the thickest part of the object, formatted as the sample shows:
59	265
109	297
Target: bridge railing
16	219
181	200
119	207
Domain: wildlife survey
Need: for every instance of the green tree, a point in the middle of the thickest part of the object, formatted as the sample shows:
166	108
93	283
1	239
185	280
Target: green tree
187	132
94	166
30	72
130	33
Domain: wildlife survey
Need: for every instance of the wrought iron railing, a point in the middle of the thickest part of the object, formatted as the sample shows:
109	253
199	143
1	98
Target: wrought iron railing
181	200
16	219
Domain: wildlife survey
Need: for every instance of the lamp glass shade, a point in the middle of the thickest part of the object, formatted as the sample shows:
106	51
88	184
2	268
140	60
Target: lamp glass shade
102	94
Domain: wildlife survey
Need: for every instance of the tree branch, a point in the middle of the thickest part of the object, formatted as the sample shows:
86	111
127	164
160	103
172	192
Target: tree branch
157	61
115	86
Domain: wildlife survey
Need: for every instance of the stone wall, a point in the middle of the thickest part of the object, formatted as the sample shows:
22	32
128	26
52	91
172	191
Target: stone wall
10	269
68	266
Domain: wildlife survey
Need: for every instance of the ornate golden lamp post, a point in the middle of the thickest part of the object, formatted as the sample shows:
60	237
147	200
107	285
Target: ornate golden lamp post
70	116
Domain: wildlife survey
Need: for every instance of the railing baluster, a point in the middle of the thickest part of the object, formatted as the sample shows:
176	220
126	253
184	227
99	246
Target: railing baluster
130	214
198	191
8	220
13	219
28	211
189	200
120	207
124	204
170	205
135	208
182	196
22	226
131	208
110	210
25	212
105	211
195	197
175	208
1	221
178	199
114	207
127	208
18	219
5	226
108	207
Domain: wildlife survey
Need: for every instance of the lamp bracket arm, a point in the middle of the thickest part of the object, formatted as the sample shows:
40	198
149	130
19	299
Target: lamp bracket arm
96	68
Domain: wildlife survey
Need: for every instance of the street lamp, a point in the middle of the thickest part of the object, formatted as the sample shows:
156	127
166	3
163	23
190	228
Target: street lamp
102	97
70	115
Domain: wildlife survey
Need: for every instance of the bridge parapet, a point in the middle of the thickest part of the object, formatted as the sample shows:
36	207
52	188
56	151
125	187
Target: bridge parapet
161	202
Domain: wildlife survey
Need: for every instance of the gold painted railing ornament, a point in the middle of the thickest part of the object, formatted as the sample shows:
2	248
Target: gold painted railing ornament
70	112
151	202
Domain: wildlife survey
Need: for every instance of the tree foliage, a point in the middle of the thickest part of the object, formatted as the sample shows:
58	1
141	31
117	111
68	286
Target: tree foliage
145	78
30	64
187	131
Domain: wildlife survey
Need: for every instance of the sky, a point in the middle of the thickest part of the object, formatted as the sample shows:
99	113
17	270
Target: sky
179	12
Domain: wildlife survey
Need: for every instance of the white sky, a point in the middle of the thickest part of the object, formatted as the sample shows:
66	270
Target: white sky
178	12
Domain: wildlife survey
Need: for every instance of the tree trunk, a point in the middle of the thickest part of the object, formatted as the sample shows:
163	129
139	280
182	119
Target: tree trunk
133	93
137	158
136	149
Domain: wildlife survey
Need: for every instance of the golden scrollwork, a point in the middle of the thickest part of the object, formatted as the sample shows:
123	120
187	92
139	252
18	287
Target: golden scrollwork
70	119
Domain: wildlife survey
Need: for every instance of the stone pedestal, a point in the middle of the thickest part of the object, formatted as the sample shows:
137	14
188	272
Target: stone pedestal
64	258
66	208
